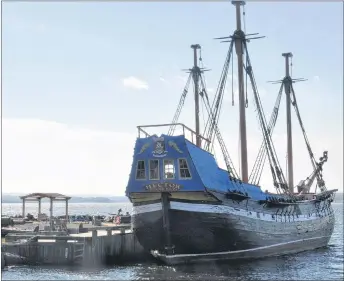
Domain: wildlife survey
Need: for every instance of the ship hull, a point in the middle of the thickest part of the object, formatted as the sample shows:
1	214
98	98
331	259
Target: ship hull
291	247
203	228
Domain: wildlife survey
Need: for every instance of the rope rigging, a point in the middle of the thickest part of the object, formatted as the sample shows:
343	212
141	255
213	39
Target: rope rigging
316	166
232	82
209	129
261	158
229	164
212	121
233	176
259	163
277	173
180	106
294	103
246	98
267	149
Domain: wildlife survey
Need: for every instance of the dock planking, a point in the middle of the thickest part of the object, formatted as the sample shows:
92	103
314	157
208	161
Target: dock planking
100	246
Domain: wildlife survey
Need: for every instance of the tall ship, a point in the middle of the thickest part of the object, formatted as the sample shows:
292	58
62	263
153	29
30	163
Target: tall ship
188	209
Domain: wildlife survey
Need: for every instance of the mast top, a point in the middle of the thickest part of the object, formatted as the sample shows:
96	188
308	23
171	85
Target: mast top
196	46
288	55
238	2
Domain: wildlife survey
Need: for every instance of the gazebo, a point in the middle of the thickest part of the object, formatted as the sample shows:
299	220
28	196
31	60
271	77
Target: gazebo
37	197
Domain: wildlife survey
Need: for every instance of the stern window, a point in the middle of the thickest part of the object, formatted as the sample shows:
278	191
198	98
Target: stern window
154	170
141	170
184	169
169	169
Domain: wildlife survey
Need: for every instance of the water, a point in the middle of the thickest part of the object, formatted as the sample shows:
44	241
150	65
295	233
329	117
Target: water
59	208
321	264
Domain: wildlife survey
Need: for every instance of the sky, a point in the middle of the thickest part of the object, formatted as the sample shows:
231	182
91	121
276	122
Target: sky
77	78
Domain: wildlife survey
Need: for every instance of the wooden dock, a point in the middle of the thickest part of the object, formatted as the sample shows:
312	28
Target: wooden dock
100	246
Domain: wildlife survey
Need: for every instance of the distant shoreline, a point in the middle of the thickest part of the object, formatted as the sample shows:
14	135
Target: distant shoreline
14	199
61	202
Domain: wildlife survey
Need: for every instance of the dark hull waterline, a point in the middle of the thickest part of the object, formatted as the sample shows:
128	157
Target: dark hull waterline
207	232
291	247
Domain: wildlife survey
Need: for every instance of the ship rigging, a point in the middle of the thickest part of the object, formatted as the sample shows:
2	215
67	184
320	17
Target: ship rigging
267	150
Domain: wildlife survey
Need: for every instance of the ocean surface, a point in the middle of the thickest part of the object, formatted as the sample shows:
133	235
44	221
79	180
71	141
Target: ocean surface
73	208
321	264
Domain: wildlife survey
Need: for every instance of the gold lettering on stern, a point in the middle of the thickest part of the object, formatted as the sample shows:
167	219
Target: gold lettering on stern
162	186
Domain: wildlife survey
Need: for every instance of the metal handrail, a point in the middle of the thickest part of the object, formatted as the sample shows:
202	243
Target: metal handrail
175	124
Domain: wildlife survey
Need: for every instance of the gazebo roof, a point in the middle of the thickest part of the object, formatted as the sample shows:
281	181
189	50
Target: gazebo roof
33	196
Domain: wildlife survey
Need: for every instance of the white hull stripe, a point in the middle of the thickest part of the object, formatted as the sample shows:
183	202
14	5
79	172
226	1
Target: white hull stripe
240	251
220	209
147	208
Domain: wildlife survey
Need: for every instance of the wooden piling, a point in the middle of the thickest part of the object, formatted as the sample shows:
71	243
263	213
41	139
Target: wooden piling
3	263
94	237
169	248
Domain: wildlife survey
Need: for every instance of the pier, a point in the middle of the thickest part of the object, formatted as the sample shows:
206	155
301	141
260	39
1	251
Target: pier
100	246
49	240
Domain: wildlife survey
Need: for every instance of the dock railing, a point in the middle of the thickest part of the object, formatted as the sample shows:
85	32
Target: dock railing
185	130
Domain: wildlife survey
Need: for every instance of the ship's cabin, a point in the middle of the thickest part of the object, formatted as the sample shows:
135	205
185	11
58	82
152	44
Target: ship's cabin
167	166
164	169
166	163
176	129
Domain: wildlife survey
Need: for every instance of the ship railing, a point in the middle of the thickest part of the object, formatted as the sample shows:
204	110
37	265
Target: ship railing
188	133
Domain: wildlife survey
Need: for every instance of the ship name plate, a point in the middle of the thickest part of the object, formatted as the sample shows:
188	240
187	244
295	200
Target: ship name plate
162	186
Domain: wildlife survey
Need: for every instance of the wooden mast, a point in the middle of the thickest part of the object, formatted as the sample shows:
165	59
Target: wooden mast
240	36
195	76
287	85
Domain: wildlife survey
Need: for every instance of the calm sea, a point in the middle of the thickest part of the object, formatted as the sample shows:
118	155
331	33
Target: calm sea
321	264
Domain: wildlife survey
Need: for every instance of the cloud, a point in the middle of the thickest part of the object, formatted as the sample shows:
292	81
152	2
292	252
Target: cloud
48	156
182	78
162	79
333	169
135	83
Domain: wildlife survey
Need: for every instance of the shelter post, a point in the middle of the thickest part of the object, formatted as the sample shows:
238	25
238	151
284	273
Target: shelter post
51	213
23	211
67	210
39	206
